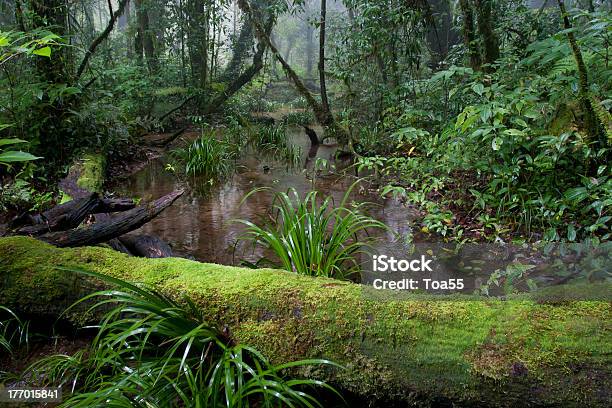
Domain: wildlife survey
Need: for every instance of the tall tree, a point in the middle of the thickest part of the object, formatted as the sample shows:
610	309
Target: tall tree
322	84
592	124
144	38
469	34
321	112
485	29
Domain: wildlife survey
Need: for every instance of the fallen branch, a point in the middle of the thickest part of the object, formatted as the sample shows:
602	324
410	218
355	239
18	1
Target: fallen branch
63	217
147	246
168	140
112	227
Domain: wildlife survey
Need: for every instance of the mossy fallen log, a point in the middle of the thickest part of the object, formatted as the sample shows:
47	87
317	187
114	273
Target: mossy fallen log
547	349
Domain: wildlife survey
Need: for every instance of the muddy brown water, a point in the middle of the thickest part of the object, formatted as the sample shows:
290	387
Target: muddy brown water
201	224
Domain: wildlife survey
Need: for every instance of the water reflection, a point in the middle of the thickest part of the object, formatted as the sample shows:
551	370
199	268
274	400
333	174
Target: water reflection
200	225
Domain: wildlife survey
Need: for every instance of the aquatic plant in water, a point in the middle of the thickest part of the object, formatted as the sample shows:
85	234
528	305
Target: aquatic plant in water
207	157
151	351
312	238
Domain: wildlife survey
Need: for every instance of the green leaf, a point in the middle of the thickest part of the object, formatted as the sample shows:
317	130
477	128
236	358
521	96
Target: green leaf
496	143
4	142
576	194
571	233
478	88
43	52
513	132
13	156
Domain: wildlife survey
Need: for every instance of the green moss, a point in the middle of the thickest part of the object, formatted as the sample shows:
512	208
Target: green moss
93	169
401	346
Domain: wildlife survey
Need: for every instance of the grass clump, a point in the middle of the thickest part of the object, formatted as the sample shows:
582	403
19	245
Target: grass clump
274	141
207	157
13	331
151	351
312	238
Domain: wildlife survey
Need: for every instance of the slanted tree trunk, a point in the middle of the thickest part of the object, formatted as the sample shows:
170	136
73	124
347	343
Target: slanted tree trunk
111	24
323	116
240	51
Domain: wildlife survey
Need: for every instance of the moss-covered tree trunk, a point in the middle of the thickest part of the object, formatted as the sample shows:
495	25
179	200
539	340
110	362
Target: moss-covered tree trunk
490	43
592	124
550	348
469	34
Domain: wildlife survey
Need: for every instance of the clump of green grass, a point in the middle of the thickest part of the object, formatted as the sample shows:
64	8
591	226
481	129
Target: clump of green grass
207	157
269	140
151	351
273	140
312	238
299	118
13	331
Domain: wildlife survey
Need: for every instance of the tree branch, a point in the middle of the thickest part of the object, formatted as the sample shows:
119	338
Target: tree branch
109	28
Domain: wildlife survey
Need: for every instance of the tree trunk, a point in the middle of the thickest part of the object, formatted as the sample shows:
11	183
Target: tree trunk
145	40
323	85
324	116
485	28
469	34
592	124
309	49
549	348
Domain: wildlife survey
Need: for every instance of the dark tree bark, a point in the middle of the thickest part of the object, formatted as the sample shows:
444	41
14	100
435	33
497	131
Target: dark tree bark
111	227
144	38
68	215
323	85
469	34
63	217
147	246
485	28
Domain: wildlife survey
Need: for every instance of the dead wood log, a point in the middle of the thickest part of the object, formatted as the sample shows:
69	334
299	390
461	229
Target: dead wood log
63	217
147	246
109	205
118	246
113	227
165	142
68	215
